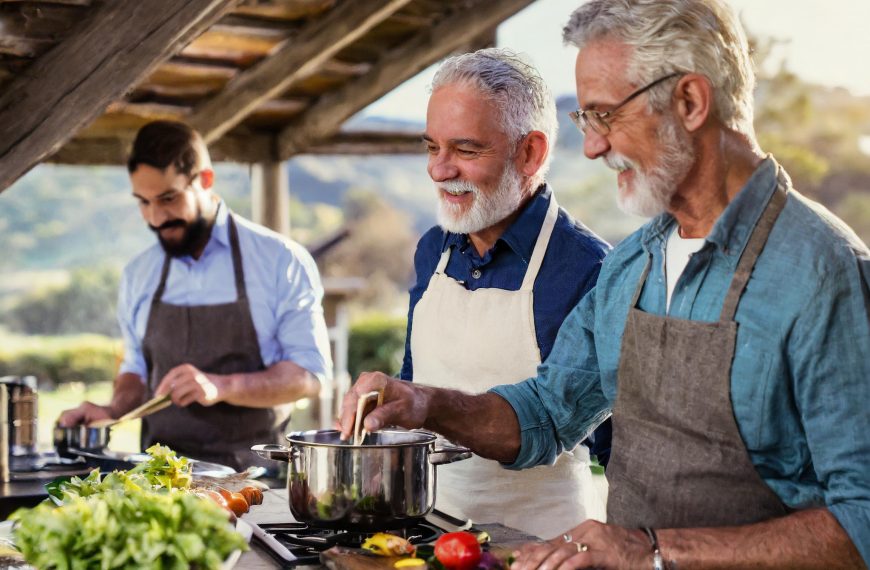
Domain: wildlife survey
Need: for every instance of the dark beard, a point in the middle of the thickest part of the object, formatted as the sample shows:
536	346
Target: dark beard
196	235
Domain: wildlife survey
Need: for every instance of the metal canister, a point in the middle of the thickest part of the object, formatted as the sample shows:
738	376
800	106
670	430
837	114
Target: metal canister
23	420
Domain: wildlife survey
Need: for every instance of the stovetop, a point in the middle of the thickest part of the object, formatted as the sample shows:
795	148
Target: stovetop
306	542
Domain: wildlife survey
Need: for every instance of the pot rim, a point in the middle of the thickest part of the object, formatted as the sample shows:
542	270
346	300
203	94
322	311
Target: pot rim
426	439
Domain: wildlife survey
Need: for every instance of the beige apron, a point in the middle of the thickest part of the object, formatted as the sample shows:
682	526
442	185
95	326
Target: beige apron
678	458
472	341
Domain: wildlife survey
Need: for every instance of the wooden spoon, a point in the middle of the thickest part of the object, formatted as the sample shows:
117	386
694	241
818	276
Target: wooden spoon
153	405
360	435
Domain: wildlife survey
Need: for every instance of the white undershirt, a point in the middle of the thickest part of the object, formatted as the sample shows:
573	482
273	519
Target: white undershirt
679	250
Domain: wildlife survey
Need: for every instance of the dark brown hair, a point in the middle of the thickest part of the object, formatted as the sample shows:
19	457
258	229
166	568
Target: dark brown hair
162	144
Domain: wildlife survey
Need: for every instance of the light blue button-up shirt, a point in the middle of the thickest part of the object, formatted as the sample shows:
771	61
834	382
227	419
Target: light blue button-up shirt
282	283
800	379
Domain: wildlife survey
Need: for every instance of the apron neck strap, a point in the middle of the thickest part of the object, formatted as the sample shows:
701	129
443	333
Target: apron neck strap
238	271
164	273
241	291
641	282
442	263
541	245
752	250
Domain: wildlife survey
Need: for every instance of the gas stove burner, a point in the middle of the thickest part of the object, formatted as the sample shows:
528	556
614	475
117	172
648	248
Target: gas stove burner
307	542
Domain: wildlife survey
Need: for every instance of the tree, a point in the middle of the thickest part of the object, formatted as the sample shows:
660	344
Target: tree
86	304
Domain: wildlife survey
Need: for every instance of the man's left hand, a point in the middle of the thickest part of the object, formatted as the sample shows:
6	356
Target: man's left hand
589	545
187	385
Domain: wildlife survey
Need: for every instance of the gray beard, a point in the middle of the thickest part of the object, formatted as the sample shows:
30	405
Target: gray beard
487	209
653	191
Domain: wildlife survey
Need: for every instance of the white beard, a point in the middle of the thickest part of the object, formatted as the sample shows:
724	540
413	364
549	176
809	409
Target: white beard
652	191
487	208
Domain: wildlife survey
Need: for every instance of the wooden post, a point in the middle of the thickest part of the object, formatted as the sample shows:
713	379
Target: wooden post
270	197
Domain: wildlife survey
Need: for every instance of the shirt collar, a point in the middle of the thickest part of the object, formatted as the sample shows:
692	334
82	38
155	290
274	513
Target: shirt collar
734	226
522	233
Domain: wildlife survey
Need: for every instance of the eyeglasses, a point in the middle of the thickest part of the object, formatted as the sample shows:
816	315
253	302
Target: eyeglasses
598	121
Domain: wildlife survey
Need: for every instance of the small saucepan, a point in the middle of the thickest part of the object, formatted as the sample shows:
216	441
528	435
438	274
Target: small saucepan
68	440
387	482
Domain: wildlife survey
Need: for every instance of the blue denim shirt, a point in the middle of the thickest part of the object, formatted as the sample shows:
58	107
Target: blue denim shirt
800	379
568	271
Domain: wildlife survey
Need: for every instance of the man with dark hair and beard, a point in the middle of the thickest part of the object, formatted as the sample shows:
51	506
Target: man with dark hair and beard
728	336
223	315
498	275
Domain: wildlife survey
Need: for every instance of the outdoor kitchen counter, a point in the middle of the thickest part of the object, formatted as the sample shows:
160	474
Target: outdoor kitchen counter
275	509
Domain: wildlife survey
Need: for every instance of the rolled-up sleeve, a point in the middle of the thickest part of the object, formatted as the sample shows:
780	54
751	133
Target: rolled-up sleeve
134	361
832	389
564	403
301	328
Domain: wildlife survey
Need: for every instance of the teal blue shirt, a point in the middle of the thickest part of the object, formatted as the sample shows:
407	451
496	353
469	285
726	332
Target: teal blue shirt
800	379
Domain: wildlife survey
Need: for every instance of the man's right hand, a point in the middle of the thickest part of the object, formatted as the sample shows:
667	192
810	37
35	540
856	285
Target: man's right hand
85	413
405	404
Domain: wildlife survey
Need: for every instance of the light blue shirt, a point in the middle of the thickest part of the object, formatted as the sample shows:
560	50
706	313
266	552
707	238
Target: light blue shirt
282	282
800	379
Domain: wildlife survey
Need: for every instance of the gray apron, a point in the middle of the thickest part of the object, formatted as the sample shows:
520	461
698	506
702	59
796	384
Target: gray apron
678	458
218	339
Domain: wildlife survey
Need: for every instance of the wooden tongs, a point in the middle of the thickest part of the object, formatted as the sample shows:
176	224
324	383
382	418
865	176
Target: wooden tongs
360	435
153	405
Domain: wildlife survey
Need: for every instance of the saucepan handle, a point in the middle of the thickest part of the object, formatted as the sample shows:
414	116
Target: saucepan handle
445	452
275	452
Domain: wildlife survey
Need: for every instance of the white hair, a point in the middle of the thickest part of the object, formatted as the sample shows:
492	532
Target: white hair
514	86
667	36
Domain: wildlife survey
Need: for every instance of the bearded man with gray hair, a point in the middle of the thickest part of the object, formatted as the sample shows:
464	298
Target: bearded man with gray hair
498	275
728	336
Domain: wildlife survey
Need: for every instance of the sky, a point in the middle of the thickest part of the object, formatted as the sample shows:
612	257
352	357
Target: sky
825	42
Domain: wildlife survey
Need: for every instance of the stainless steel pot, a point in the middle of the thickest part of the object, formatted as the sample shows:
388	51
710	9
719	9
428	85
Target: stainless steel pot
387	482
68	440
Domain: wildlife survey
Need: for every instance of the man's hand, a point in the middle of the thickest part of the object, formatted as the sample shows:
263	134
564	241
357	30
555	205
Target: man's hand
592	545
187	385
404	404
84	414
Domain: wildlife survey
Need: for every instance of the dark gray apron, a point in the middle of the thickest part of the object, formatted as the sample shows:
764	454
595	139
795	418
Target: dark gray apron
678	458
218	339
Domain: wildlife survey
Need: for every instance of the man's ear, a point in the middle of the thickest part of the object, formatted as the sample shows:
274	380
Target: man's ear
206	178
694	100
532	153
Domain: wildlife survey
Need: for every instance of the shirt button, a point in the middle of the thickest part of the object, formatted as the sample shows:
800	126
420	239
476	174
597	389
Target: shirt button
476	274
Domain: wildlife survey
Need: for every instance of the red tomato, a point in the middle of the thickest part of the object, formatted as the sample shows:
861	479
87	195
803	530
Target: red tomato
458	550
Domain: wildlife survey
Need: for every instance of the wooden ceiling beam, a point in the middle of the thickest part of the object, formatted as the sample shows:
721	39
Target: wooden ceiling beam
364	143
247	149
307	52
116	47
325	117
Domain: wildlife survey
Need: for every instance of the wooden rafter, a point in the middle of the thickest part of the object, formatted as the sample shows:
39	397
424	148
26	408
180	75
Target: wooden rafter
370	142
295	59
324	118
69	86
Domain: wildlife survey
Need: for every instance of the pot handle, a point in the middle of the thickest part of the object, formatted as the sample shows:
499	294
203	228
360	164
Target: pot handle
445	452
275	452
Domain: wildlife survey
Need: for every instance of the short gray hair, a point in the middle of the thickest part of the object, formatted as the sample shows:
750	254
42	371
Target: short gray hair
667	36
514	86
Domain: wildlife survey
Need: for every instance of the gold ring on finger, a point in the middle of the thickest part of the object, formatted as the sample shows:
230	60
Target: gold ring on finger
581	546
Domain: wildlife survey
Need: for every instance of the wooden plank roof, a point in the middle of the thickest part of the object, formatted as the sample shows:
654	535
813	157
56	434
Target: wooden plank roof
263	80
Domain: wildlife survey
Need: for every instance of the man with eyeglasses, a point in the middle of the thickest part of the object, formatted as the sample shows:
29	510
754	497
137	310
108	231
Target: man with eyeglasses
728	336
224	316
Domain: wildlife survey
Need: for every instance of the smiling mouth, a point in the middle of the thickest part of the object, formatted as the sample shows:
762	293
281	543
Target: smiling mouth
455	191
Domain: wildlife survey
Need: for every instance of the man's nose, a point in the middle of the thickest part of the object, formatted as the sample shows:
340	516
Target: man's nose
154	215
595	145
441	168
